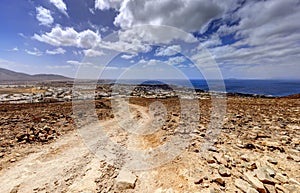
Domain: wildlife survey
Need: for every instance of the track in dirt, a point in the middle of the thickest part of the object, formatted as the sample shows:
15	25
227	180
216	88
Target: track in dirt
66	165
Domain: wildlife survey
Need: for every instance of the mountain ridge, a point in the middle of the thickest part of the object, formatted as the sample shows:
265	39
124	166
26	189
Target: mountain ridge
10	75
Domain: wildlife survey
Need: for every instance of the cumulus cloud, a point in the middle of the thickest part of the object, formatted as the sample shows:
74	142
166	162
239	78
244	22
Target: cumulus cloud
88	38
141	39
155	34
213	41
188	15
267	38
44	16
240	38
272	25
131	46
168	51
56	51
178	60
275	21
60	5
59	37
131	41
69	37
107	4
92	53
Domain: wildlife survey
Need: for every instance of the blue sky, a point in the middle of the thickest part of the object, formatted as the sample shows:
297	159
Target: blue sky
152	38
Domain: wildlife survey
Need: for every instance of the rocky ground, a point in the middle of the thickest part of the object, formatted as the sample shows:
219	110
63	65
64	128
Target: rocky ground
257	149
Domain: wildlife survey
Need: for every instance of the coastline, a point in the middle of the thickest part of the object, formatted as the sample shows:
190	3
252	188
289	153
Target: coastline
61	91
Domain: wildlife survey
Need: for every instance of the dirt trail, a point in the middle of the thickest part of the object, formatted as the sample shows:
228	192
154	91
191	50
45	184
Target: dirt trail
250	157
66	165
56	168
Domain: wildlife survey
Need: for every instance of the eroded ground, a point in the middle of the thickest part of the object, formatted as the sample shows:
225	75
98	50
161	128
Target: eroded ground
257	149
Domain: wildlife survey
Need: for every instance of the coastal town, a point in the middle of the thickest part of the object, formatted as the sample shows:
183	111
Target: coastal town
35	94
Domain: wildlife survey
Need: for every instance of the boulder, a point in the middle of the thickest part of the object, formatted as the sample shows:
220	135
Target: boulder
224	172
218	179
263	176
258	185
244	186
125	180
281	178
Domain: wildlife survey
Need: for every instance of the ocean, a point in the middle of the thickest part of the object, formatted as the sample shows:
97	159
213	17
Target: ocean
274	88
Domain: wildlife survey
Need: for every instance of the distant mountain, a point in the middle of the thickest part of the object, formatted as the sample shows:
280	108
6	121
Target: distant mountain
9	75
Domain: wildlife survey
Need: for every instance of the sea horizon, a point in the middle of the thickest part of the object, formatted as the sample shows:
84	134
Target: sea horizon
265	87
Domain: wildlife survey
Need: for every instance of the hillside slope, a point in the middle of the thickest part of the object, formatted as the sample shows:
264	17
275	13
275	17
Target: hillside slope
9	75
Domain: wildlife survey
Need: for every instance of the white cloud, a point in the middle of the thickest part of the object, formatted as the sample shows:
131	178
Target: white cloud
77	63
151	62
44	16
15	49
127	56
59	37
59	66
171	61
34	52
213	41
136	40
69	37
141	38
274	22
92	53
22	35
176	60
168	51
104	29
88	38
107	4
77	53
92	69
189	15
92	11
56	51
131	46
114	68
132	41
266	39
60	5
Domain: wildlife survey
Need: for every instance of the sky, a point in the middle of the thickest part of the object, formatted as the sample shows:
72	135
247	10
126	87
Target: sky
194	39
